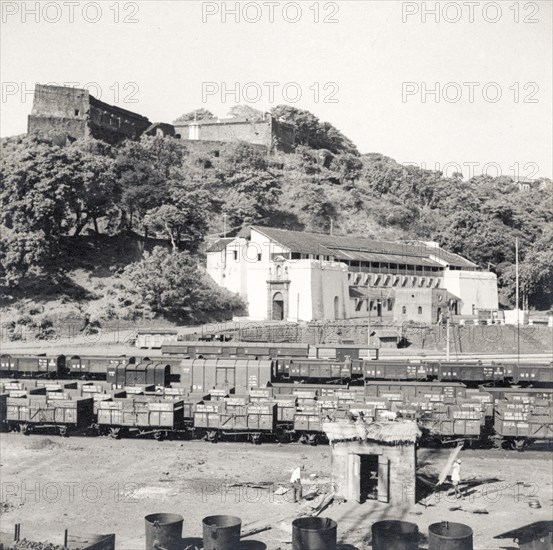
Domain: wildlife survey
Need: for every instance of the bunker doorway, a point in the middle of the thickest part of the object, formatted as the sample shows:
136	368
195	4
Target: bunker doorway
369	477
278	307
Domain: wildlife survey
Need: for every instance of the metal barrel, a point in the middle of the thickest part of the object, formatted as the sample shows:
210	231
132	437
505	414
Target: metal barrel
221	532
395	535
314	534
449	536
164	531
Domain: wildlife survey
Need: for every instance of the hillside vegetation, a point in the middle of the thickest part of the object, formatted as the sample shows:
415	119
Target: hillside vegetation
80	221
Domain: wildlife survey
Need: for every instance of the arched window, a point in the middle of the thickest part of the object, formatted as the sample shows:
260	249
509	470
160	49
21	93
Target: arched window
420	310
336	307
404	310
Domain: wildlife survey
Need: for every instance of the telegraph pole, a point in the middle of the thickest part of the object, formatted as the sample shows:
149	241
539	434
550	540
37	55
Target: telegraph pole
447	335
224	226
516	299
369	323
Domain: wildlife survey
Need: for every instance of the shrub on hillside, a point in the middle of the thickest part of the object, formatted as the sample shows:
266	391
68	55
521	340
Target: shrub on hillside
172	285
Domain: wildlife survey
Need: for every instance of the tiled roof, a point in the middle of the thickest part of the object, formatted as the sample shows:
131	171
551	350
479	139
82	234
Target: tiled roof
219	245
356	249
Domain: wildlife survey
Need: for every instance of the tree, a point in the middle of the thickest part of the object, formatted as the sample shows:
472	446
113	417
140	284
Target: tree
535	273
96	188
313	133
348	166
144	170
38	184
250	189
172	285
23	254
314	202
185	219
197	114
245	111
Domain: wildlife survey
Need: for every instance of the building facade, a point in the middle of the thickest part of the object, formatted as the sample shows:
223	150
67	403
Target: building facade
75	113
296	276
268	132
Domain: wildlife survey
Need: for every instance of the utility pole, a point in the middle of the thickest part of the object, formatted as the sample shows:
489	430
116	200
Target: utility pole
369	323
447	335
516	299
224	226
331	226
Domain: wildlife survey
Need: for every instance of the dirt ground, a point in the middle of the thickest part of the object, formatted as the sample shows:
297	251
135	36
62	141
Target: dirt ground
101	485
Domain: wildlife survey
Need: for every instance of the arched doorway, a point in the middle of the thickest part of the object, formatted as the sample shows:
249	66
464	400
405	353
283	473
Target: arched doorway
336	307
439	315
278	307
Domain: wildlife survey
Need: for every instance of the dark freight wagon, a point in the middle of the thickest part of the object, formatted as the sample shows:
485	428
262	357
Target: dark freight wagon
52	366
145	373
313	369
95	367
399	370
253	350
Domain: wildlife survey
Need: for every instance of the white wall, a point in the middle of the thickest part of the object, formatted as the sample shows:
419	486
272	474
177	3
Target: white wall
317	284
478	288
300	273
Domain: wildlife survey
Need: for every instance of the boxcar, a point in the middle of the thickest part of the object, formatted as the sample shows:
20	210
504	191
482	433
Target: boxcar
242	374
145	373
33	366
95	367
395	370
533	374
320	369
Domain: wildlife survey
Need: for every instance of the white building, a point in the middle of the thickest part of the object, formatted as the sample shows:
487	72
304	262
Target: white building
297	276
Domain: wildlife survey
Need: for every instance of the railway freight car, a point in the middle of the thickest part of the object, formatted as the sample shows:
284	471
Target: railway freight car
395	370
323	370
241	374
250	350
535	374
518	393
341	352
432	391
33	366
145	373
63	412
469	372
141	415
95	367
450	423
518	424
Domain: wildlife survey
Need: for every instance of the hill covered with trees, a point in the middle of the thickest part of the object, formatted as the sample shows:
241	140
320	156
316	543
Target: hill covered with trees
63	205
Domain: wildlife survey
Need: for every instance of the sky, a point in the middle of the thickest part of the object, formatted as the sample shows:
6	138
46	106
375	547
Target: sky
444	85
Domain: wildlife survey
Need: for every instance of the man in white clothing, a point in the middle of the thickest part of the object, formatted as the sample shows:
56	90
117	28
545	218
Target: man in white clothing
456	477
295	480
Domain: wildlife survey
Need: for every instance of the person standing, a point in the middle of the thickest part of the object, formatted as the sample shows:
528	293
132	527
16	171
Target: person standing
295	480
456	478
